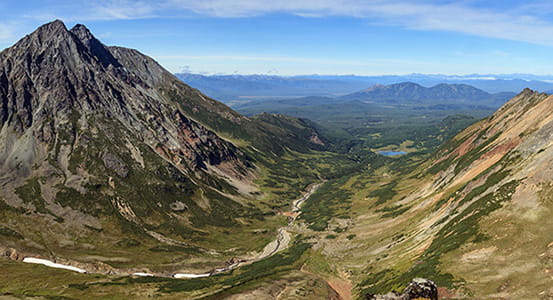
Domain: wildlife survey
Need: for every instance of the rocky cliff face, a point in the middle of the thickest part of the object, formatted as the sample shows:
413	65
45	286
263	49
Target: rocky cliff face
55	81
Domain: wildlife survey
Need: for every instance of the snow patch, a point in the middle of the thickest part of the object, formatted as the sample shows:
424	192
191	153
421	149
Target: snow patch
143	274
51	264
191	275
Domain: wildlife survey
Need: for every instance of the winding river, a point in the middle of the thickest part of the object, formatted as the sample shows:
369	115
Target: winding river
280	243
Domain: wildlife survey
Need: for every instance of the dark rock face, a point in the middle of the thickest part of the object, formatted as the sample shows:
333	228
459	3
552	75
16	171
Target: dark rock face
421	288
55	81
418	288
94	46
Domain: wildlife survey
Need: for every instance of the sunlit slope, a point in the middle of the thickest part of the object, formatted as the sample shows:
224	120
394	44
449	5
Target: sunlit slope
475	218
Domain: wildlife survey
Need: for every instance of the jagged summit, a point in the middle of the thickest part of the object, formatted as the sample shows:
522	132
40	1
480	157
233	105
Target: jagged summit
82	32
54	27
95	47
55	75
49	35
526	92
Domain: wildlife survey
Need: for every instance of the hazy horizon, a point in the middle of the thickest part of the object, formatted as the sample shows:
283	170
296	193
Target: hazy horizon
507	76
289	38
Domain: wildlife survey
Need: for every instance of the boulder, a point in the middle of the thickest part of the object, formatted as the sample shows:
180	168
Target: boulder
421	288
418	288
12	254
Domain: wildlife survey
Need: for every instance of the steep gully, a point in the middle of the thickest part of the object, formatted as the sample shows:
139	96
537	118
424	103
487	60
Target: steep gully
281	243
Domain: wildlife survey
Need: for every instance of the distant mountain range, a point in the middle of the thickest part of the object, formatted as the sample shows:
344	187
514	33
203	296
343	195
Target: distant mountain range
229	88
407	94
378	111
412	93
262	87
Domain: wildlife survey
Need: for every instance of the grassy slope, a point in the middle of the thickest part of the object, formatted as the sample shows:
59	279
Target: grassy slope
26	280
469	218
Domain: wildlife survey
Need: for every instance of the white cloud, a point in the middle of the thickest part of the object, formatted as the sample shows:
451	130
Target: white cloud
245	8
241	59
80	11
526	22
415	15
121	10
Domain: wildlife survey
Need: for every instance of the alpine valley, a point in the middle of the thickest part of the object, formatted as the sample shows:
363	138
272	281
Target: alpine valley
113	167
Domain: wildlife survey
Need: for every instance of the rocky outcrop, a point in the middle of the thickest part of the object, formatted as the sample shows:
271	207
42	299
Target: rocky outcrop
12	254
418	288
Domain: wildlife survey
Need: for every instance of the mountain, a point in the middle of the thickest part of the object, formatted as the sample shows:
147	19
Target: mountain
491	83
257	87
105	156
393	116
240	88
412	93
475	217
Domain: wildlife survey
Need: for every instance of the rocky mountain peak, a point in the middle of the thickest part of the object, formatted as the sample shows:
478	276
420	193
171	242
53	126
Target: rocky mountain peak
46	66
46	36
55	81
82	32
527	92
52	28
96	48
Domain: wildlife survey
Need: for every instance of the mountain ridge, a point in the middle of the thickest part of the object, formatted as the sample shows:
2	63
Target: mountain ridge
232	88
76	91
443	93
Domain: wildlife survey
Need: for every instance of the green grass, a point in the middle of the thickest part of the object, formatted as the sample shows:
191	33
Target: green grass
394	211
384	193
459	230
10	233
59	284
356	126
30	193
330	200
278	263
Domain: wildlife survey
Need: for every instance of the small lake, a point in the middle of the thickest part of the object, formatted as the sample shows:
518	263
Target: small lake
391	153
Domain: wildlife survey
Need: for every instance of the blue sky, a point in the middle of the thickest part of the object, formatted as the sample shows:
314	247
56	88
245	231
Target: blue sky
288	37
